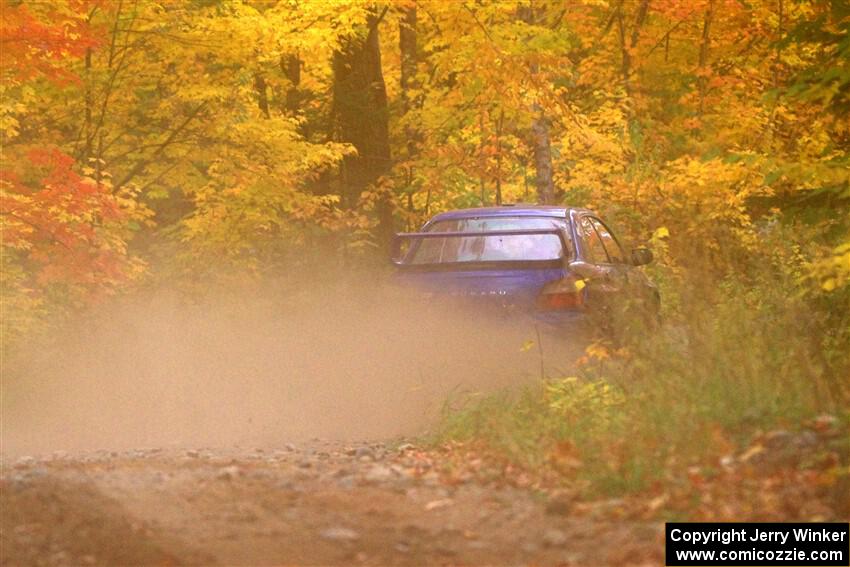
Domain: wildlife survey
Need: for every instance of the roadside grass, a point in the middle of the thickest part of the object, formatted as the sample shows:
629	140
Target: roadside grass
726	370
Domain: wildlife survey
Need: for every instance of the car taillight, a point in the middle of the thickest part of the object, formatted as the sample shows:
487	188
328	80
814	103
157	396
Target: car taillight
563	294
558	301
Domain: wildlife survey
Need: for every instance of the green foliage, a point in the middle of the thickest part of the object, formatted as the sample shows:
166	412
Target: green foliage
730	362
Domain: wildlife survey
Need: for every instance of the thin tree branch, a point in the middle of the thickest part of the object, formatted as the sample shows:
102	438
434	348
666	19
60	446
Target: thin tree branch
142	164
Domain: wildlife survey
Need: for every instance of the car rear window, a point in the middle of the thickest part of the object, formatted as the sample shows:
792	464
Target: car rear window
496	248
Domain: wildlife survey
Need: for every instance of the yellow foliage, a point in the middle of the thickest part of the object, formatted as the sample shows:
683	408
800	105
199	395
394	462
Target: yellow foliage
833	271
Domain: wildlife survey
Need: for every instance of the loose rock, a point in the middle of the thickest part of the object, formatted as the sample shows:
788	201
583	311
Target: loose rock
24	461
339	534
437	504
362	453
554	538
560	505
379	473
229	473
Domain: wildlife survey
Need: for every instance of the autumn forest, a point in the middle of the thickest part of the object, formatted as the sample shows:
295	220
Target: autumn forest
194	143
247	131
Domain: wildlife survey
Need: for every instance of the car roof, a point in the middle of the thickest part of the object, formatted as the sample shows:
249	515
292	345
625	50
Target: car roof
518	210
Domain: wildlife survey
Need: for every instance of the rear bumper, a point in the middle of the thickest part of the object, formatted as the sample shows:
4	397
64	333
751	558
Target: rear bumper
535	341
506	309
562	326
560	318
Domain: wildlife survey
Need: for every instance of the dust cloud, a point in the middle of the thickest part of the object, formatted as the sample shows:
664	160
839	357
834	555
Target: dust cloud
351	361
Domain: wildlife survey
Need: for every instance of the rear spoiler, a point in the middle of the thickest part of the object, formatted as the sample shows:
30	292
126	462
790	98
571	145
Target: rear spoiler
395	248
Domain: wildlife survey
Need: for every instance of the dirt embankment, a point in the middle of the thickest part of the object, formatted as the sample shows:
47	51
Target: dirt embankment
323	504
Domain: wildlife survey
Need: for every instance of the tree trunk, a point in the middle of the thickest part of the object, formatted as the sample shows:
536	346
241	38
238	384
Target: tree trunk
482	159
626	47
544	180
778	65
499	127
262	94
541	143
702	80
88	133
407	46
361	116
291	67
407	81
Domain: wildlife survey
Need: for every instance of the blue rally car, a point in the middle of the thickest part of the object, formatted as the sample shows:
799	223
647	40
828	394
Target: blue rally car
556	264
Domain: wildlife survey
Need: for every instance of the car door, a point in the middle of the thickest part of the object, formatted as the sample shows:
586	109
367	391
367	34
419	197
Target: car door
604	278
635	293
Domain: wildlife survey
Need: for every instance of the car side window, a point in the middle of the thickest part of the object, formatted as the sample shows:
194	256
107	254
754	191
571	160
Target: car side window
592	242
615	253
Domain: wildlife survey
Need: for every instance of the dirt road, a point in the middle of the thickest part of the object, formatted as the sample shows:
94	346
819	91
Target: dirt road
321	504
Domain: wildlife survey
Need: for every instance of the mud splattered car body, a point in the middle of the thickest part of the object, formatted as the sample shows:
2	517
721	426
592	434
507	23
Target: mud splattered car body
556	264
